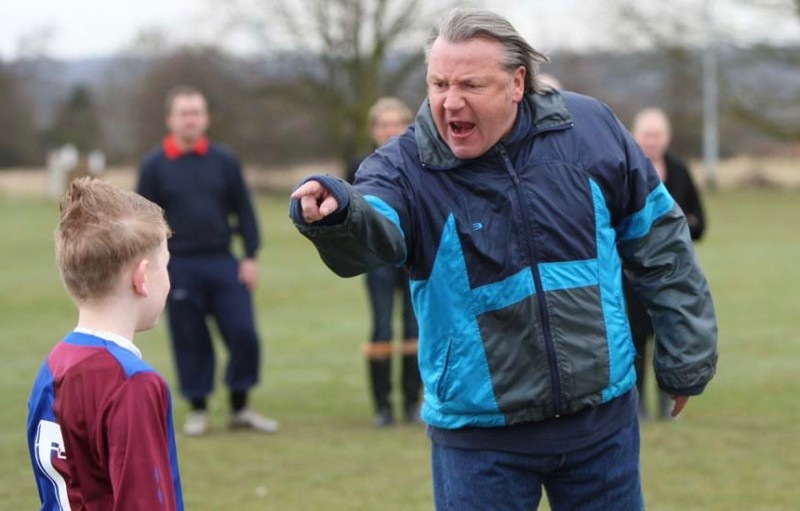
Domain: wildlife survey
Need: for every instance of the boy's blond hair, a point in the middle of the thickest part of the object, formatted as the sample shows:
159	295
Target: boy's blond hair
103	228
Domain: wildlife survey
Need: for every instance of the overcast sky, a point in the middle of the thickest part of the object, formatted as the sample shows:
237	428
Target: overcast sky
86	28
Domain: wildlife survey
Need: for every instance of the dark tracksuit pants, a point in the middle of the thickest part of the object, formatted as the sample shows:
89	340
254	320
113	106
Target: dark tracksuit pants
203	286
382	285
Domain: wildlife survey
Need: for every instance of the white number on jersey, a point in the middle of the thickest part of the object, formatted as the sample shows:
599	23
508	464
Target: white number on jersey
50	443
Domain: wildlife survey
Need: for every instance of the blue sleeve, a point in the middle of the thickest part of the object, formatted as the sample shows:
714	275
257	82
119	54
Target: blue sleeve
658	257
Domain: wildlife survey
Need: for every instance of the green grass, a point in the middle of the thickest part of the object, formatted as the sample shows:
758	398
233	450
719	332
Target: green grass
735	448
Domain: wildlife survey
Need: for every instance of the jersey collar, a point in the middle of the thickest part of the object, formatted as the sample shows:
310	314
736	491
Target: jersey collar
120	341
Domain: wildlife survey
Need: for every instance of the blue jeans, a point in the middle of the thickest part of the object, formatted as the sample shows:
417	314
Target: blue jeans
382	284
603	477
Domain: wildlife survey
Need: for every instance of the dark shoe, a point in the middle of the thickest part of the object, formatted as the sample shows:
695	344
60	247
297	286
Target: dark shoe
383	419
381	385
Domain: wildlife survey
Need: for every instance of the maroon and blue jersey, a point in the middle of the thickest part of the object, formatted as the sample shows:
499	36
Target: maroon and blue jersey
100	431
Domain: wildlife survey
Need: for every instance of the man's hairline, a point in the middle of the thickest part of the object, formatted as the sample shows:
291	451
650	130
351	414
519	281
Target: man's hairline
186	95
500	63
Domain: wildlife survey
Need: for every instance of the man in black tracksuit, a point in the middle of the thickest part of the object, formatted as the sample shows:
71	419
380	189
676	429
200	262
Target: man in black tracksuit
200	186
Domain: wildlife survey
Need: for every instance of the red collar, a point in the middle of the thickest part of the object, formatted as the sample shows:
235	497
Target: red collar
174	152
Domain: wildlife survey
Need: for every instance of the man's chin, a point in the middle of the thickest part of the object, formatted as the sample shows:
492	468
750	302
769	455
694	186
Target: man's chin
465	153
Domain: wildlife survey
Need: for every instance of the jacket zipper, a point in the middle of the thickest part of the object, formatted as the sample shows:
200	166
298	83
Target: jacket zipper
555	382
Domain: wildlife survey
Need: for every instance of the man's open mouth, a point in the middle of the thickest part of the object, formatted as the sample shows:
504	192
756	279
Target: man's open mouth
461	128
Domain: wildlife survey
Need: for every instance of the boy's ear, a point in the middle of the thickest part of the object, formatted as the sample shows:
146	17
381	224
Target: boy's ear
140	277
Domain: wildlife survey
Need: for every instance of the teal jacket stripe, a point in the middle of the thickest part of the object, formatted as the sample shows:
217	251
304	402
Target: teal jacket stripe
455	371
504	293
571	274
622	375
390	214
387	211
658	203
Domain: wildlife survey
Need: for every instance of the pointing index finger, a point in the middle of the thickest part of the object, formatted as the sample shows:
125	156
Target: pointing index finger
312	188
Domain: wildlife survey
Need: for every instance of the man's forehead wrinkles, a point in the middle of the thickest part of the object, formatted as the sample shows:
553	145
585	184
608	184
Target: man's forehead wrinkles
456	79
473	71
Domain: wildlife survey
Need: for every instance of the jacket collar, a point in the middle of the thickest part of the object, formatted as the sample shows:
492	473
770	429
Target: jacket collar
173	152
537	113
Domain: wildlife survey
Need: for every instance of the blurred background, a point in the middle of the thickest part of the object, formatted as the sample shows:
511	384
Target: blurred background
290	82
82	87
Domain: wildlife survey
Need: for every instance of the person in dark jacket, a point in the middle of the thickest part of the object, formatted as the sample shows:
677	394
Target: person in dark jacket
388	118
200	187
651	130
516	208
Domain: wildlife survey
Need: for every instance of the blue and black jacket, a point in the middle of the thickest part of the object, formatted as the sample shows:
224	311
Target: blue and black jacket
515	260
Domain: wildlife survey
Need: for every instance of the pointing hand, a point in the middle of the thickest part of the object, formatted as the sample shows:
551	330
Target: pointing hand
315	201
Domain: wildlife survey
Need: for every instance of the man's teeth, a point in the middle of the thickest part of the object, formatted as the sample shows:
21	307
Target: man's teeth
459	127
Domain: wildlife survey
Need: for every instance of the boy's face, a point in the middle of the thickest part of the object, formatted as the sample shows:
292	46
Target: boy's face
157	288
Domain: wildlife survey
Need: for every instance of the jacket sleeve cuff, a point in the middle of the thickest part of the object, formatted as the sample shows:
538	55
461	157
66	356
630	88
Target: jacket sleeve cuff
688	391
335	187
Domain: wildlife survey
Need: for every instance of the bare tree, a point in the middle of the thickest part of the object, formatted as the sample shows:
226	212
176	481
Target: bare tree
21	110
261	129
18	143
747	53
77	122
209	69
769	106
672	32
341	54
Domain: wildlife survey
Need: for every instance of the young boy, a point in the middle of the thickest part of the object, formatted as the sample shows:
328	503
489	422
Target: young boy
100	429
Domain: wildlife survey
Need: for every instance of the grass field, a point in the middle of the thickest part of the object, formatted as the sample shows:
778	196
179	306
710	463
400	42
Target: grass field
736	447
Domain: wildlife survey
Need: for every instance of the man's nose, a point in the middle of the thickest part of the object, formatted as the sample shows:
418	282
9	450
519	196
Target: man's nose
453	100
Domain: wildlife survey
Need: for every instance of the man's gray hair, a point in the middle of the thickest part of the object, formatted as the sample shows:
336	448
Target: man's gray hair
461	25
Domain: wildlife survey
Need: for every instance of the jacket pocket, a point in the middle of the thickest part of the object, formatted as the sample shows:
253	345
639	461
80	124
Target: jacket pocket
441	384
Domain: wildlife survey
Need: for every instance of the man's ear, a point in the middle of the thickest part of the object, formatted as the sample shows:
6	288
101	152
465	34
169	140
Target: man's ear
518	84
140	277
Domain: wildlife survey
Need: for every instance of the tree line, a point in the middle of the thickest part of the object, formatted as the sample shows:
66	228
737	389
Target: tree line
307	99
